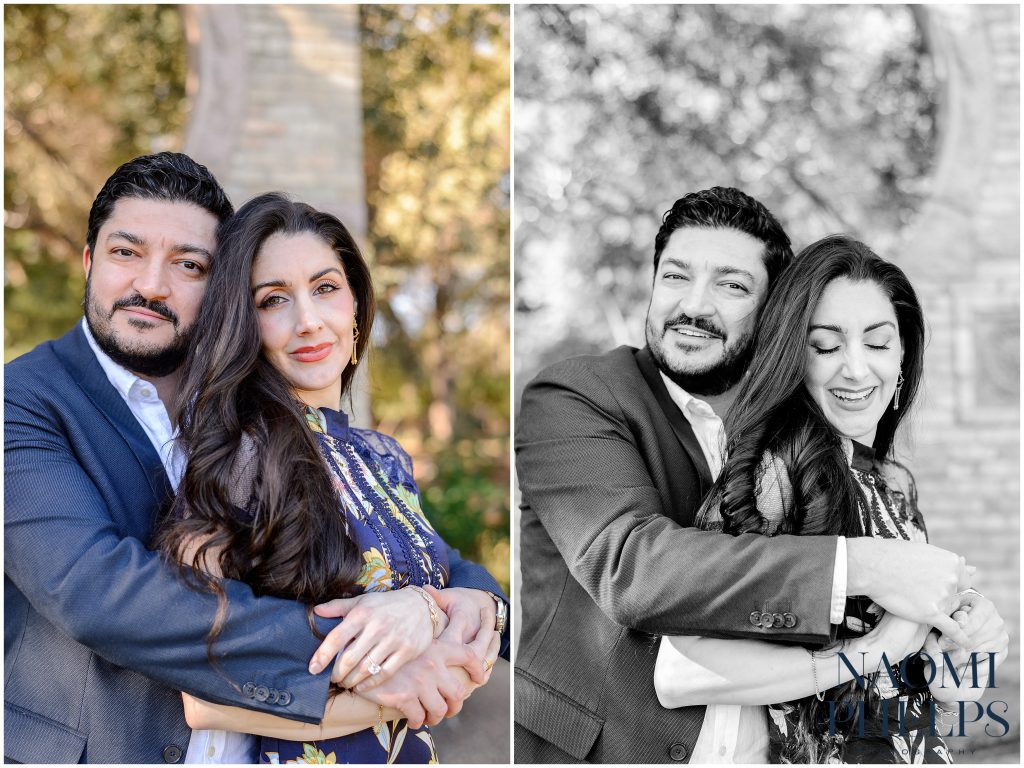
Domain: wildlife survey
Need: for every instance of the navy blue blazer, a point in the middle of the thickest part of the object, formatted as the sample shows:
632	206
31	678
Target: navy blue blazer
100	634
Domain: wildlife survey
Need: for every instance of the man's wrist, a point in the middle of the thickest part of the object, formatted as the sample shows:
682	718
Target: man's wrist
860	565
500	613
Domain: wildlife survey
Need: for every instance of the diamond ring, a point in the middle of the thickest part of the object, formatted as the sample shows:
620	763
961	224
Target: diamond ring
374	668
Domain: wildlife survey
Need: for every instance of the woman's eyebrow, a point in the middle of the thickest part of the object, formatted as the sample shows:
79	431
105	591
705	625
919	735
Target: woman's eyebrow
833	328
270	284
871	328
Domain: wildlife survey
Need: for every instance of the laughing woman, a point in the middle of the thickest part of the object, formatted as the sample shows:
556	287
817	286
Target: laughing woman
282	493
836	368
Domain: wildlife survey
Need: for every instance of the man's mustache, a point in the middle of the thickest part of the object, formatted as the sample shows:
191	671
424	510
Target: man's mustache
700	323
137	300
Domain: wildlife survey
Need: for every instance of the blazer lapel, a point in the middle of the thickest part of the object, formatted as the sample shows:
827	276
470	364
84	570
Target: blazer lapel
74	351
675	417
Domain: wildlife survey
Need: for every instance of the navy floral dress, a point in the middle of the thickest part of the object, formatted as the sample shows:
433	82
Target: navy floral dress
379	498
896	717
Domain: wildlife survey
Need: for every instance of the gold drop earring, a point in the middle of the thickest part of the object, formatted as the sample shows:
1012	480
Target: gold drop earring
899	386
355	341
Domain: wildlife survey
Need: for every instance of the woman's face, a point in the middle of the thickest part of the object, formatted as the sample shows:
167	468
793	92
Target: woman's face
853	357
306	310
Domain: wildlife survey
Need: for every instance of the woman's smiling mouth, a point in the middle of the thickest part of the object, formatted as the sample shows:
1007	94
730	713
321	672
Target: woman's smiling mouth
312	354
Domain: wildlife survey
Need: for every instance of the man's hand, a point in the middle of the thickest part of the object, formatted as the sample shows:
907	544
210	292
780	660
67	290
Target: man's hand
917	581
384	628
469	612
472	617
429	688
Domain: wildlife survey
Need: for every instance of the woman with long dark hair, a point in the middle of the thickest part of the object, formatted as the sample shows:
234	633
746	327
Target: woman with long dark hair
836	368
282	494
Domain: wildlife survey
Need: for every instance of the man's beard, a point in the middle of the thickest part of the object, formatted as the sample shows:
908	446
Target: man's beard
139	359
716	379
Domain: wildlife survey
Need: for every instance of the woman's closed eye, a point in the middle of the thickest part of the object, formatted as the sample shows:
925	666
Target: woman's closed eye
824	350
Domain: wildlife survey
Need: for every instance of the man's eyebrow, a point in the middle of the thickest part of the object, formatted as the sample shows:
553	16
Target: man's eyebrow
131	238
189	248
728	270
141	243
676	262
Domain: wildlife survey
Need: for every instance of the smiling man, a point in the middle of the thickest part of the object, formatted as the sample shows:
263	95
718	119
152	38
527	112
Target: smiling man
614	454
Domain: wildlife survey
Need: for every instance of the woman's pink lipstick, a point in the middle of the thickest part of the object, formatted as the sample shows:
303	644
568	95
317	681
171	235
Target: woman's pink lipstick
312	354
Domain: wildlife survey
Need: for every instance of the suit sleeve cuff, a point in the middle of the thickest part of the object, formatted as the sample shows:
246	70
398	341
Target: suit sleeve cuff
838	610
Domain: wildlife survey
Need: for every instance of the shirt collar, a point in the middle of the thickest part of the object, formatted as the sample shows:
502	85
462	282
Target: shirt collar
686	401
121	378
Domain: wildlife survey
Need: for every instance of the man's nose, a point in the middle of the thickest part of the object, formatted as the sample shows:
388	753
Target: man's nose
152	281
695	300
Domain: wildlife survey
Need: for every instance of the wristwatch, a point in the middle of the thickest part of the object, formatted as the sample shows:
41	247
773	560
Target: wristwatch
501	615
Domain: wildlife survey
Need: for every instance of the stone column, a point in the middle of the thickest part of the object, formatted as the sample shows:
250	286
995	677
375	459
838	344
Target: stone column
276	94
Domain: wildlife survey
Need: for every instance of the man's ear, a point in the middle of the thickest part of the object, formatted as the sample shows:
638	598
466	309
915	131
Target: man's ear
86	259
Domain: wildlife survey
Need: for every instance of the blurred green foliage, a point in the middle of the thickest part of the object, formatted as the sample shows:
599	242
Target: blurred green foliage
89	87
436	151
824	113
86	88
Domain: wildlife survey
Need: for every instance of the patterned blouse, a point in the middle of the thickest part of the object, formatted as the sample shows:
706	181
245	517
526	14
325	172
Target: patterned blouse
890	511
379	498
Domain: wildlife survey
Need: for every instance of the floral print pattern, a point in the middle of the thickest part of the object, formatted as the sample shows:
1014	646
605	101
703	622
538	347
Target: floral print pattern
377	494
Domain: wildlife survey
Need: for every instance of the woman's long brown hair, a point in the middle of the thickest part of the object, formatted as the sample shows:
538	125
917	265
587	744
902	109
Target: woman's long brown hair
292	540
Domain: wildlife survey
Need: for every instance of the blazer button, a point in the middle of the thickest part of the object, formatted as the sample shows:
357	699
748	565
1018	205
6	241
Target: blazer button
273	697
262	693
172	753
790	620
249	689
284	699
677	752
755	618
777	620
767	620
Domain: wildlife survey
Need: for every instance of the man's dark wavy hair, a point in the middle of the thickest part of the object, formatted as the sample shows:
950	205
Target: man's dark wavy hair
726	207
169	176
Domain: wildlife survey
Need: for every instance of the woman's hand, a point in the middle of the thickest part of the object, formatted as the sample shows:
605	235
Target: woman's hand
896	637
436	684
972	664
387	629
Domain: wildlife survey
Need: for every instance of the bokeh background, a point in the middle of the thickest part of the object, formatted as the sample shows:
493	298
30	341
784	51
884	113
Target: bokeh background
897	124
394	118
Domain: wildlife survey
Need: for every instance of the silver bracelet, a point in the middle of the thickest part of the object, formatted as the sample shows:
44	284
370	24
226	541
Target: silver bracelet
818	693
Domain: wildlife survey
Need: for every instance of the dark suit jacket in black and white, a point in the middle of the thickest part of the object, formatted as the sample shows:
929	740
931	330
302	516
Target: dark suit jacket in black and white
611	477
99	633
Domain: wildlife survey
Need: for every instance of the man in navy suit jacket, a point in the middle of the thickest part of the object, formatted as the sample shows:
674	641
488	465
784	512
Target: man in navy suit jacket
100	633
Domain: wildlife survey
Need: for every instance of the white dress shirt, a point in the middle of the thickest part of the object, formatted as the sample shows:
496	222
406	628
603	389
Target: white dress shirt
147	407
732	733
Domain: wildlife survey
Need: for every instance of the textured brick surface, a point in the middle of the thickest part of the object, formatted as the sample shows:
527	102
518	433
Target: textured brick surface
963	256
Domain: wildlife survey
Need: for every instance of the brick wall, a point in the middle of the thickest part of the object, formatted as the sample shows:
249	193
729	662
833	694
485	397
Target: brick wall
963	256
